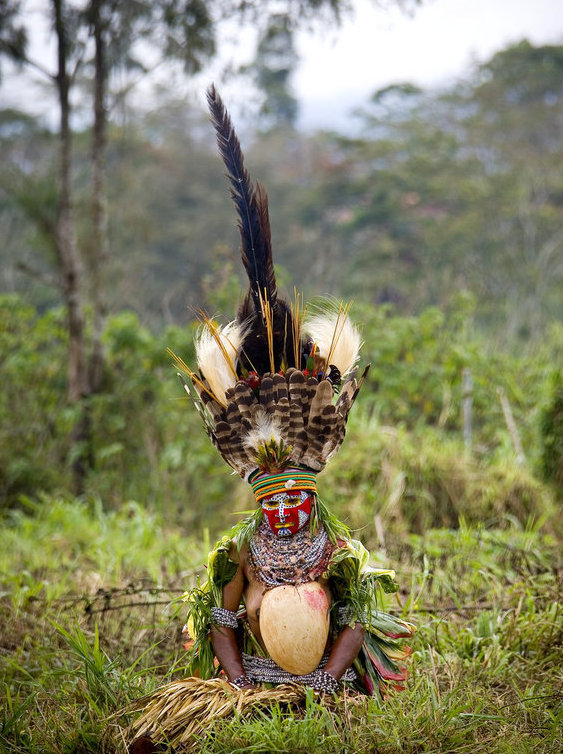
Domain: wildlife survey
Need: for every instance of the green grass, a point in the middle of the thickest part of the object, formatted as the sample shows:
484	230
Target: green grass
88	624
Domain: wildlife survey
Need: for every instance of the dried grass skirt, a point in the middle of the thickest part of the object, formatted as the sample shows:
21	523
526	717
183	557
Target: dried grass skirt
179	712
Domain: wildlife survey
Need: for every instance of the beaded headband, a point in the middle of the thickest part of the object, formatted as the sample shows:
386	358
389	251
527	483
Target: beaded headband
283	482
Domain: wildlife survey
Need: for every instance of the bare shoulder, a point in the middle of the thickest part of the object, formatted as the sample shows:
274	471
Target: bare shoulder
236	555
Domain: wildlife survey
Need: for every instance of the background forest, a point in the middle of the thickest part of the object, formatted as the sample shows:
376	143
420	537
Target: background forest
442	218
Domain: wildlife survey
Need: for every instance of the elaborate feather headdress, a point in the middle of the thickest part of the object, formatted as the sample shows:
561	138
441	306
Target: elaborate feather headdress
267	382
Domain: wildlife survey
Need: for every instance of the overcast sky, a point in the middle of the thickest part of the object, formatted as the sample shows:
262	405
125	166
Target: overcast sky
433	46
340	69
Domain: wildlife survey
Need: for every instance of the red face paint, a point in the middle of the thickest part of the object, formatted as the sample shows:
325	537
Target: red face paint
287	513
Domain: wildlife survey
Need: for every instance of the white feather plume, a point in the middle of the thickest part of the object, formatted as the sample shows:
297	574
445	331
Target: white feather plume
264	429
217	351
337	338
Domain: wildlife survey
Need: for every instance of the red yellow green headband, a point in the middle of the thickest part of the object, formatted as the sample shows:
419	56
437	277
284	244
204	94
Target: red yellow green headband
283	482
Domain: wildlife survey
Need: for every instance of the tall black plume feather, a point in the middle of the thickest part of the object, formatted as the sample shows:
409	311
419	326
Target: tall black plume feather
251	203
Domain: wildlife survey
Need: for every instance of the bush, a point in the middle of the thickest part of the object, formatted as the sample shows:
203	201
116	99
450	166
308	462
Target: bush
148	443
552	434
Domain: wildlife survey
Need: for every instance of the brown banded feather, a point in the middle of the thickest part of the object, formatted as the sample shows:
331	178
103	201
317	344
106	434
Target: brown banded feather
223	435
245	399
279	387
282	416
307	397
267	392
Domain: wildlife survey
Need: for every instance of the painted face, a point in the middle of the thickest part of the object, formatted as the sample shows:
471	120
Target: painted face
286	512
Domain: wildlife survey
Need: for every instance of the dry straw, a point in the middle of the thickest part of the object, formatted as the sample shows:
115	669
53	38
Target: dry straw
180	711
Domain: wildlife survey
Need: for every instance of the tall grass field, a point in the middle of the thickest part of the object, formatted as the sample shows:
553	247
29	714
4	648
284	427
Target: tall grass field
90	586
90	621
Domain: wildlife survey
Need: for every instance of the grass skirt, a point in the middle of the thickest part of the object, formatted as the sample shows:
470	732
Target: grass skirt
178	713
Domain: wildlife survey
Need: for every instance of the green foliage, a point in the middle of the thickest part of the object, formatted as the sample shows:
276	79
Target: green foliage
424	480
147	443
276	60
35	418
451	198
403	456
333	526
280	730
199	602
13	35
551	423
75	534
484	671
353	581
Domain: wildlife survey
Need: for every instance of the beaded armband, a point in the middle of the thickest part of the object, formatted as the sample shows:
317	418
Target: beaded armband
222	617
321	680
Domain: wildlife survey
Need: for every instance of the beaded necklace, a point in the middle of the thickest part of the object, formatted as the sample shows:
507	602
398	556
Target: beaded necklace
289	560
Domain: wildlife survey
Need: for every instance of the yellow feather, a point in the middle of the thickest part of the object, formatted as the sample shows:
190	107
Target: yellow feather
217	352
183	367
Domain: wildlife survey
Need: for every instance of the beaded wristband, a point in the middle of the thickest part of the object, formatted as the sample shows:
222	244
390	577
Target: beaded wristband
222	617
324	681
240	681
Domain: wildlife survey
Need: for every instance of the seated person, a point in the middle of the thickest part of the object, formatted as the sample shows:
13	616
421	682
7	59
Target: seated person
325	626
274	389
290	597
281	551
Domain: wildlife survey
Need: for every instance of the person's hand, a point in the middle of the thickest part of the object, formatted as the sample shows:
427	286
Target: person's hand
243	683
320	680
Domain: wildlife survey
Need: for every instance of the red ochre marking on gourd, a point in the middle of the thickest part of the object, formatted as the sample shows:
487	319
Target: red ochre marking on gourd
317	600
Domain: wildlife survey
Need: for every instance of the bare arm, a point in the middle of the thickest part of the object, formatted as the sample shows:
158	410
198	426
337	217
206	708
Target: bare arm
223	638
345	650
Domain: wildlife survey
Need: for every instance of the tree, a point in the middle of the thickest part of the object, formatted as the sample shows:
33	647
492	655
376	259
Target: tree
455	190
113	26
13	35
515	135
276	59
